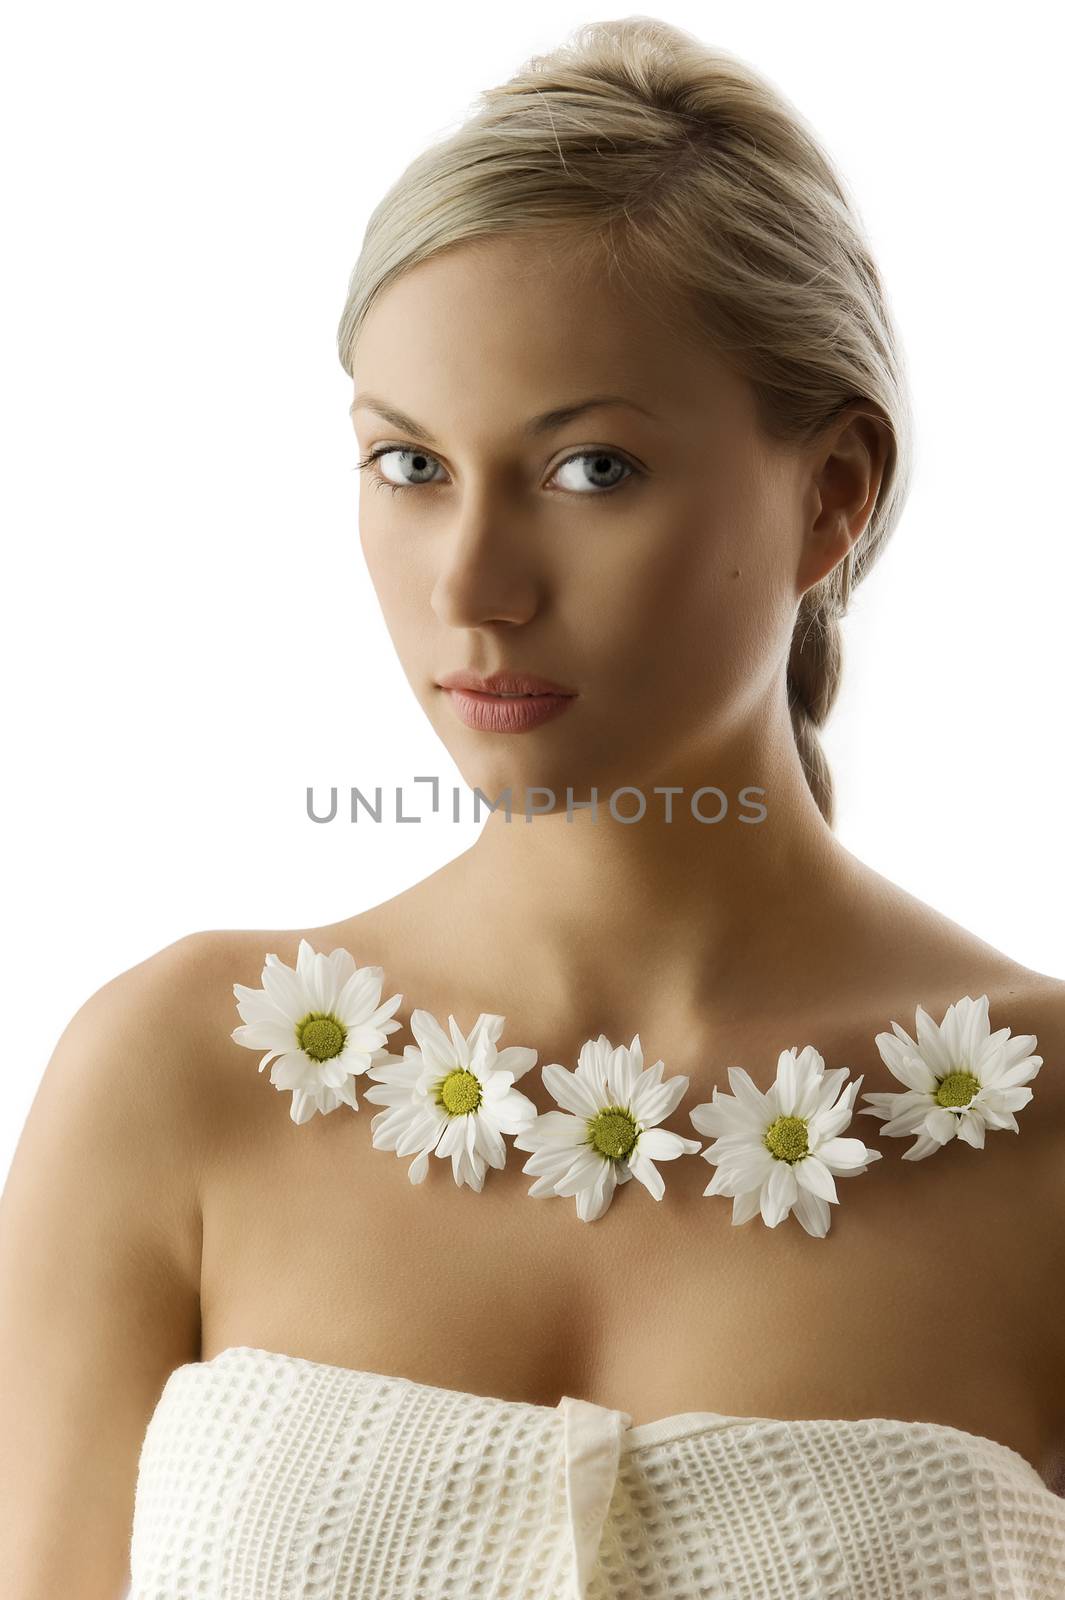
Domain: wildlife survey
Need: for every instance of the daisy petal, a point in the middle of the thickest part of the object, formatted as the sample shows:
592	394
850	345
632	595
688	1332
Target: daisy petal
436	1048
971	1129
830	1085
585	1169
516	1059
645	1171
591	1203
658	1144
654	1102
908	1121
940	1124
285	990
744	1206
723	1115
419	1167
813	1212
572	1092
746	1168
266	1035
921	1147
904	1061
844	1155
973	1027
749	1095
1021	1071
812	1174
779	1194
358	994
1014	1099
931	1044
787	1083
558	1129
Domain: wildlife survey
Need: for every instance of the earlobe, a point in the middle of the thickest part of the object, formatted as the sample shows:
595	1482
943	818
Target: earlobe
822	555
846	486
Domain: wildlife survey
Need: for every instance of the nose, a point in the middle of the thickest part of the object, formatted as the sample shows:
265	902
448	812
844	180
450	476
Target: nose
485	573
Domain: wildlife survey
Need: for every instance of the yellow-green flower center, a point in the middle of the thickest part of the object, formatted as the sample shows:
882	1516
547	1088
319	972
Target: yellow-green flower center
460	1092
320	1035
613	1132
956	1089
787	1139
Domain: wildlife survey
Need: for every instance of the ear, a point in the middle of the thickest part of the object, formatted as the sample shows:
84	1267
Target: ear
846	469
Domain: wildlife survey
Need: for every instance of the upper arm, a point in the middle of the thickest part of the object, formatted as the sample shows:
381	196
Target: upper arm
99	1276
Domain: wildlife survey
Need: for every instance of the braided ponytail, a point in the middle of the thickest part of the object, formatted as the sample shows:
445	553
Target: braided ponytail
815	667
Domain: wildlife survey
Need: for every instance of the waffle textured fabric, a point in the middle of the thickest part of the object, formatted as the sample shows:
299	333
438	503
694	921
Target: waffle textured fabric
270	1477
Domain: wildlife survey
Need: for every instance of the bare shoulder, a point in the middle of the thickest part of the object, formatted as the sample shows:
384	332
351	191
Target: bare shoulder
944	962
1026	1002
117	1113
220	959
205	975
129	1082
922	957
100	1254
174	1012
1033	1002
136	1045
153	1046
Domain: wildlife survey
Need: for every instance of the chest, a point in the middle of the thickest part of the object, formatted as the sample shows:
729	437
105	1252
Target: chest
927	1299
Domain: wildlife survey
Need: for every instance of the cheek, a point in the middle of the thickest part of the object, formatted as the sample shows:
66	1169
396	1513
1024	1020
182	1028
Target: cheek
402	600
400	584
703	598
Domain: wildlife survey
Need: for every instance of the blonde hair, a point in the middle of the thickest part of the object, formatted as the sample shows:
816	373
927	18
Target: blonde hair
650	153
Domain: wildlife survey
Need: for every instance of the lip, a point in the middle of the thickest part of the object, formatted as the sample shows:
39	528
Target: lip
505	702
503	682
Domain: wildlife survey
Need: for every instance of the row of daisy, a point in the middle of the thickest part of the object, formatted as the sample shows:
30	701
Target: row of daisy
323	1024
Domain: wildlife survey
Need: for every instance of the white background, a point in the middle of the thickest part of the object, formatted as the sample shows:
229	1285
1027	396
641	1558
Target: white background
190	637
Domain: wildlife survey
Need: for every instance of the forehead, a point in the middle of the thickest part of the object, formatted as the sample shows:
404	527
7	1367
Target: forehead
491	332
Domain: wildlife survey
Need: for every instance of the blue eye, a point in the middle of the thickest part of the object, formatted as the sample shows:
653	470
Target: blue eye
421	460
419	457
600	460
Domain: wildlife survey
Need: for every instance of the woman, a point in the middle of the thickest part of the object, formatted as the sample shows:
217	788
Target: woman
633	420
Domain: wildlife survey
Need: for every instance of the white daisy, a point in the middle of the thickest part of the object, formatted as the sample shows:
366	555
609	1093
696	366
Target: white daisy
960	1078
324	1022
606	1133
778	1151
454	1096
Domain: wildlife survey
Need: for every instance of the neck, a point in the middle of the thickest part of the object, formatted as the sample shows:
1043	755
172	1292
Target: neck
699	909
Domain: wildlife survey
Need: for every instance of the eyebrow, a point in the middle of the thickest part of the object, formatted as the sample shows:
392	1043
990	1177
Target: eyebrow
544	422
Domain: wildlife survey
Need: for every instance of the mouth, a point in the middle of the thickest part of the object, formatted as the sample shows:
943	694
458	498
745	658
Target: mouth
505	702
505	685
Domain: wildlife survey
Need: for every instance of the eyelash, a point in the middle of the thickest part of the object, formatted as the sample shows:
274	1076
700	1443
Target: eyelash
373	456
